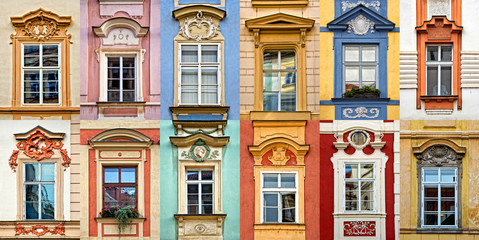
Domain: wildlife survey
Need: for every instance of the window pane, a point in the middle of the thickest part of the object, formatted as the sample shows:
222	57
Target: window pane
206	175
367	170
288	201
448	205
193	209
189	53
111	175
207	198
192	175
113	96
448	192
351	77
446	80
448	219
128	197
128	84
209	53
288	91
432	53
50	61
129	63
271	215
209	75
48	192
128	175
31	210
430	219
31	55
48	210
448	176
432	80
31	193
351	171
114	62
192	199
32	98
369	54
113	84
192	188
367	205
128	73
50	98
270	101
50	50
111	196
351	205
31	50
271	200
270	82
270	60
430	191
288	215
431	176
288	181
270	180
128	96
351	54
31	172
288	60
50	86
31	75
207	188
207	209
189	94
431	205
369	76
189	75
446	53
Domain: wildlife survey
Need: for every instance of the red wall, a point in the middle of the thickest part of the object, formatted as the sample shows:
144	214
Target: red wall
312	182
246	179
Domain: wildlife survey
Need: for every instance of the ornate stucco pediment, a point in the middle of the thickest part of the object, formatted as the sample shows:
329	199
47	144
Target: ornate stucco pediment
200	145
279	147
439	152
198	22
41	25
120	31
120	138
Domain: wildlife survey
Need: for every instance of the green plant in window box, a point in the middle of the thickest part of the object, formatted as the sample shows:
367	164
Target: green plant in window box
124	216
365	92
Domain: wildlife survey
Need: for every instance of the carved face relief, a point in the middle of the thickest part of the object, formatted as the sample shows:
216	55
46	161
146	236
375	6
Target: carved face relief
360	25
199	151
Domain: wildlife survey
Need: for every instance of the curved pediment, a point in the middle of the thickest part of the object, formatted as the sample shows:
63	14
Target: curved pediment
439	141
120	22
360	19
280	21
120	137
279	142
192	139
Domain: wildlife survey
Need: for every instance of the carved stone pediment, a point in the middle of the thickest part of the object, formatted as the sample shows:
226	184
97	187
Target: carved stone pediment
439	155
41	25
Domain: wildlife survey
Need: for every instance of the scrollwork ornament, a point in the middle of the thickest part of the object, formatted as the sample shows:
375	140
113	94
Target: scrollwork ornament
439	155
360	25
360	228
279	156
361	112
41	28
199	21
347	4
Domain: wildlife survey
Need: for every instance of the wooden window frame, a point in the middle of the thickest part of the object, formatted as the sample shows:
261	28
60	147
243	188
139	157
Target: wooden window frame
119	184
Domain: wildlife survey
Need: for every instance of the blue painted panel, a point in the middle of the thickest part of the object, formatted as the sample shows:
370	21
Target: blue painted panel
343	6
200	117
361	110
199	1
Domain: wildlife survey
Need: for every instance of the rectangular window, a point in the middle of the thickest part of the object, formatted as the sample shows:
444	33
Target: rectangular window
360	66
279	80
359	184
40	73
279	192
120	187
199	74
439	201
199	185
39	184
121	79
439	70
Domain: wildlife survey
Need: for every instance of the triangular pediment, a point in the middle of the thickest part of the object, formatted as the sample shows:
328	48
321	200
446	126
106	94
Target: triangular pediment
280	21
361	13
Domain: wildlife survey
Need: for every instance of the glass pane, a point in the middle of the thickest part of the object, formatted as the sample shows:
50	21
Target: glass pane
446	53
288	215
114	62
367	205
209	53
288	181
351	77
448	176
48	210
31	50
31	61
207	175
431	176
209	75
270	180
31	56
430	218
128	175
351	190
448	219
189	94
51	50
114	73
31	193
193	209
207	198
448	205
271	199
48	192
209	94
192	188
113	84
430	191
111	196
359	138
351	171
446	81
50	86
31	172
50	97
128	197
270	101
128	96
50	61
206	188
128	73
270	81
50	75
432	53
288	60
31	210
432	80
32	87
192	199
431	205
369	76
367	170
113	96
31	75
270	60
111	175
189	53
449	192
271	215
129	63
288	91
192	175
128	84
351	54
207	209
288	200
351	205
367	186
31	98
189	75
369	54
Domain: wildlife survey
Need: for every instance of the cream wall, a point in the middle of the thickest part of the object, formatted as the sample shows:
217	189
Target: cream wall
19	8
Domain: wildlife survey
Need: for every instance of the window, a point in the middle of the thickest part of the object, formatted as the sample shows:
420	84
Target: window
279	192
199	71
359	181
439	70
39	187
279	80
41	71
200	184
120	187
121	79
360	66
439	202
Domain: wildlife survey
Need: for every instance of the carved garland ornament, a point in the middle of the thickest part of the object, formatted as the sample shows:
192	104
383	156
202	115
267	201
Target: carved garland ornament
31	148
360	228
39	230
199	21
347	4
360	25
361	112
439	155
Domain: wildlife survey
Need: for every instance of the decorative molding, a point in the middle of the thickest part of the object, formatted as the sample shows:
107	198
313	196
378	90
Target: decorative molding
359	228
199	21
279	156
278	145
41	25
39	230
374	4
360	25
199	151
359	146
110	25
361	112
439	155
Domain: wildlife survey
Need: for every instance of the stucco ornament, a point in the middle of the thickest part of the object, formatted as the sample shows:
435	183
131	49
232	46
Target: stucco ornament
39	230
360	25
200	22
200	228
279	156
199	151
41	28
439	155
347	4
360	228
361	112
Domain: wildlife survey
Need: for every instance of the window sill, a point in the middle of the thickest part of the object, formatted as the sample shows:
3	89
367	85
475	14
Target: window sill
439	102
113	220
200	216
340	100
439	230
280	115
274	224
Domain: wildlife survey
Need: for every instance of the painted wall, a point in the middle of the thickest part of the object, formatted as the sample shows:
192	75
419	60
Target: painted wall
229	28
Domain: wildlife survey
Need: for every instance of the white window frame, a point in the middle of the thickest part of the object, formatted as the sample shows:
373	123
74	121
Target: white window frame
439	64
456	207
360	64
200	182
358	180
121	76
39	183
200	64
279	190
40	69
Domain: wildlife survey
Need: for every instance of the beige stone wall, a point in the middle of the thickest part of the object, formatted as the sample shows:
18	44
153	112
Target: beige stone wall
75	171
247	52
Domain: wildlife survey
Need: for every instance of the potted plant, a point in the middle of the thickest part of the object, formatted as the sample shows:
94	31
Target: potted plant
365	92
124	216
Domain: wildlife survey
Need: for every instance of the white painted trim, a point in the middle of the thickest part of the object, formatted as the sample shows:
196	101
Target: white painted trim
279	190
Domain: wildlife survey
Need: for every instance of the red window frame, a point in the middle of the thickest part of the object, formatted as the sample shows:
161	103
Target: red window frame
120	184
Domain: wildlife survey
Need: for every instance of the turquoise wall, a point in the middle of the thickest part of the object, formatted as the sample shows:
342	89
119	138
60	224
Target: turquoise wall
231	182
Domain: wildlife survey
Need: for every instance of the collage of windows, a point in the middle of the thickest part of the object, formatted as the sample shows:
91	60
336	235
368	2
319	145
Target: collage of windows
239	119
